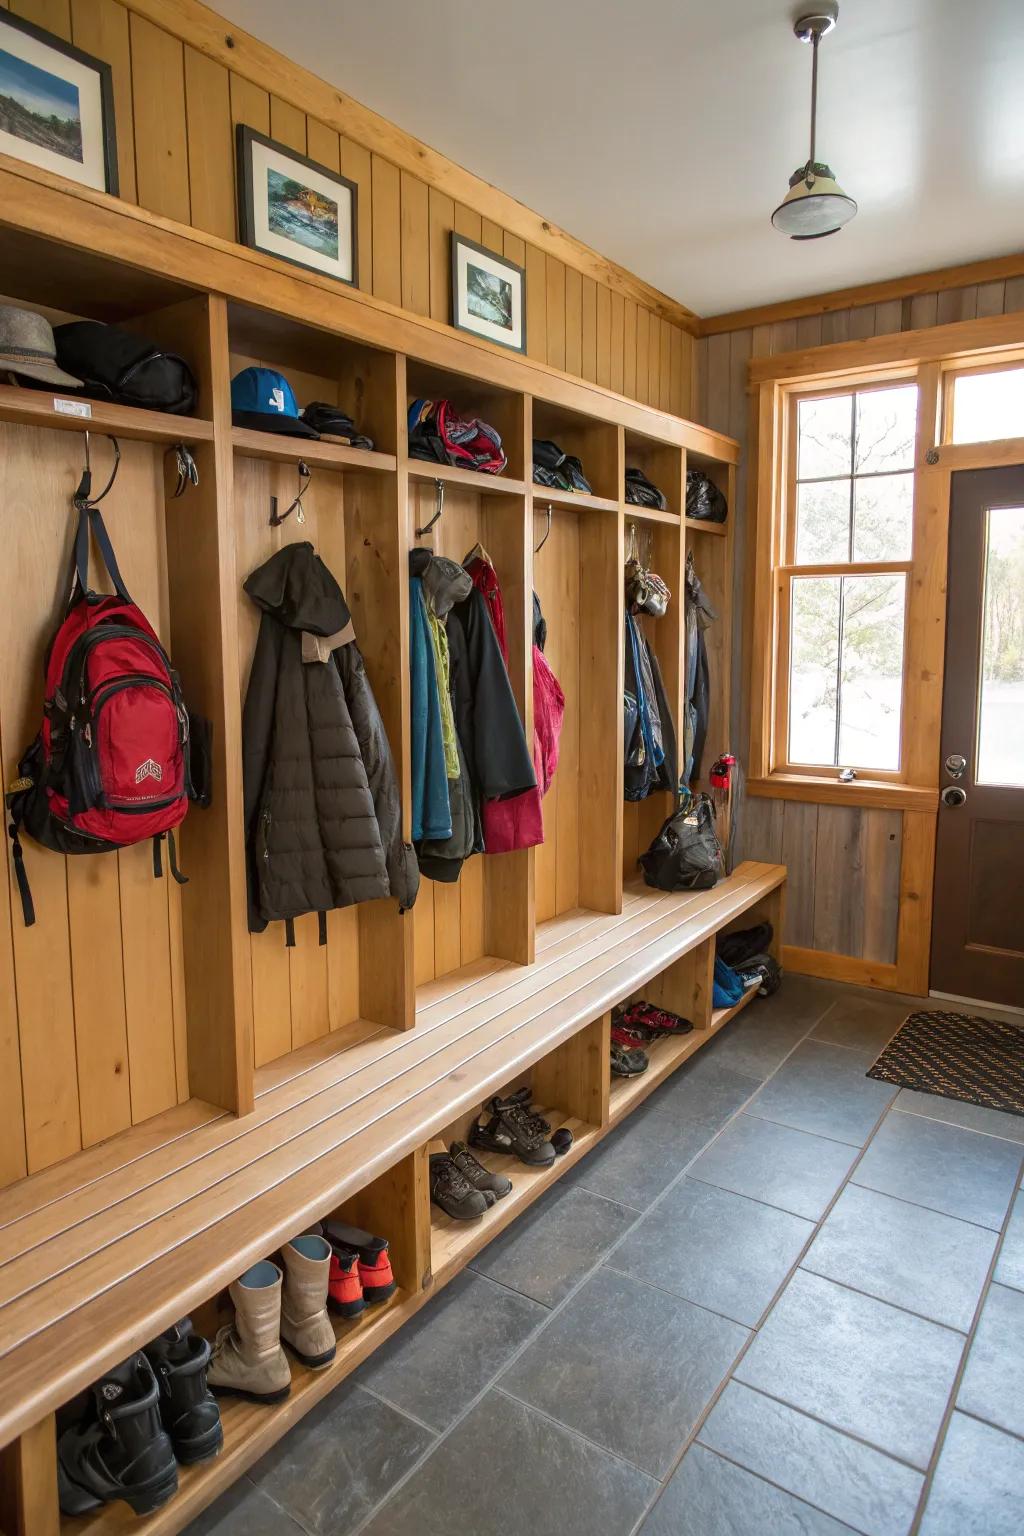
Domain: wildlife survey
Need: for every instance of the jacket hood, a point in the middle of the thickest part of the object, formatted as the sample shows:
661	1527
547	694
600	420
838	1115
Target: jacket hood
298	590
445	584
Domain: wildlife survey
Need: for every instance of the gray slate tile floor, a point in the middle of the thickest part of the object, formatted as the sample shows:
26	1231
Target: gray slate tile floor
608	1367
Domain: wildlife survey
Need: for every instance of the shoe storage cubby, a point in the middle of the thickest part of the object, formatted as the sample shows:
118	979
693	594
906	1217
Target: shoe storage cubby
569	1089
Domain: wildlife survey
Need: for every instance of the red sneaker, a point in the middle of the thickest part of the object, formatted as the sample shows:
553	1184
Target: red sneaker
375	1273
344	1288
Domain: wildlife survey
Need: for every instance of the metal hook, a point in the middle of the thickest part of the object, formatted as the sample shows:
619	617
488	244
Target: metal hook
439	488
83	496
277	518
188	474
547	534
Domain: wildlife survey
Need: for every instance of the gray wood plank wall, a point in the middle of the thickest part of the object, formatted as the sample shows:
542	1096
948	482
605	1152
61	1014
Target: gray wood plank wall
844	863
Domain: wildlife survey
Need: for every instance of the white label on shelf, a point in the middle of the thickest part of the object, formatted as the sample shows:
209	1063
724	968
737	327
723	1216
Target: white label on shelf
72	407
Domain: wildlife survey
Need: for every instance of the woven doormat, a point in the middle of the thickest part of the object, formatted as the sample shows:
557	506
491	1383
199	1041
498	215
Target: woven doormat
957	1056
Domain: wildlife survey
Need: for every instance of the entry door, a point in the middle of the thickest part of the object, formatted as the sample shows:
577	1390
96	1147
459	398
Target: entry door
978	924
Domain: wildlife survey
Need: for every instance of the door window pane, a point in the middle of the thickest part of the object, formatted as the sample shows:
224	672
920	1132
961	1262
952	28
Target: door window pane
1001	690
814	649
987	406
886	427
824	430
846	670
871	671
883	508
822	522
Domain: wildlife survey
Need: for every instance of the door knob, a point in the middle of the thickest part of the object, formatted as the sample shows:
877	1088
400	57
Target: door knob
955	765
953	796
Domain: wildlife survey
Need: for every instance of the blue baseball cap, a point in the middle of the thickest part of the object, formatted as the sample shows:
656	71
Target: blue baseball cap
264	400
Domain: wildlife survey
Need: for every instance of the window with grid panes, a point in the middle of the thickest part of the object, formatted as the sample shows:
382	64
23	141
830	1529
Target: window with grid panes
846	564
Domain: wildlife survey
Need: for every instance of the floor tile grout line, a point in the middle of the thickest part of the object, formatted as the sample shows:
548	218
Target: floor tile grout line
587	1275
575	1434
853	1146
844	1525
727	1189
662	1290
883	1301
406	1413
847	1434
917	1206
954	1391
710	1405
980	1418
955	1125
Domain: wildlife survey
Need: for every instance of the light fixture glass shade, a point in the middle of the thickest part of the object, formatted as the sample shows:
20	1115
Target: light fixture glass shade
808	212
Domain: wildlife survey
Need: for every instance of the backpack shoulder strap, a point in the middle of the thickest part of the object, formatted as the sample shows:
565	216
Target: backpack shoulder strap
91	518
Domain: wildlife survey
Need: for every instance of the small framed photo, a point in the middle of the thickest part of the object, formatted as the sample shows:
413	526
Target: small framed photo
56	105
292	207
488	294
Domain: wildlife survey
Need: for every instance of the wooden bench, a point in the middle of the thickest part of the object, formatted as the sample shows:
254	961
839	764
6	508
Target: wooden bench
101	1252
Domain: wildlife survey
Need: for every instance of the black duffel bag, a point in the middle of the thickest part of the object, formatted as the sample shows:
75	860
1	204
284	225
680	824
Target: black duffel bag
686	854
114	364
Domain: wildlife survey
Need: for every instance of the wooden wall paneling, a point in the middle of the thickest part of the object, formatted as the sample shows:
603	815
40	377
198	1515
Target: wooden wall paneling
956	304
643	336
836	326
211	165
137	522
761	830
357	165
601	683
653	360
678	374
840	890
161	135
588	347
555	304
204	602
991	299
557	575
514	248
1013	295
29	1504
917	870
573	322
736	705
468	222
423	933
881	845
923	311
376	542
665	370
629	313
322	144
616	342
603	339
574	1077
387	231
38	473
98	965
13	1162
440	222
798	852
492	235
536	304
415	245
718	397
100	27
888	317
288	124
668	639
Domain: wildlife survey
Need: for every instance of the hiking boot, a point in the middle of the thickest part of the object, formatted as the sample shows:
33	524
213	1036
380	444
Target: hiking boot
513	1127
248	1360
452	1192
305	1326
626	1062
480	1177
188	1411
119	1449
374	1267
345	1290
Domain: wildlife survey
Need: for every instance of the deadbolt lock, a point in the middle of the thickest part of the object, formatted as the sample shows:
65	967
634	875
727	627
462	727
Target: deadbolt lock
953	795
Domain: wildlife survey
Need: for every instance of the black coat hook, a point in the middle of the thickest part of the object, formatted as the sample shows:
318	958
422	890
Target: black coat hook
83	497
277	518
439	488
547	533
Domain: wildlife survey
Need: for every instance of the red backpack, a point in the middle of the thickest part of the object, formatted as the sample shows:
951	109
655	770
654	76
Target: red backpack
109	766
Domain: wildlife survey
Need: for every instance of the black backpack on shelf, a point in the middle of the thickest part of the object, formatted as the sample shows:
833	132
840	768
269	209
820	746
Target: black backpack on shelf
643	492
561	471
686	854
704	500
114	364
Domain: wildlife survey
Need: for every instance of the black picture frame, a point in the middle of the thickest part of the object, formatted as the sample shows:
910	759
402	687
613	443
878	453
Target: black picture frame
518	273
105	75
245	138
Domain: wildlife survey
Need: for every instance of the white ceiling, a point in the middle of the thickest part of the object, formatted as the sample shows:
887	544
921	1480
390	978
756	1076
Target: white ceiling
663	132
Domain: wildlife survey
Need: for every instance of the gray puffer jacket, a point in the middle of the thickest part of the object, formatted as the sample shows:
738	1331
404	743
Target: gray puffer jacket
322	812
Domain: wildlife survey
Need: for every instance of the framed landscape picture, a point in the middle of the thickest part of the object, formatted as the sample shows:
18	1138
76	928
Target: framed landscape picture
488	294
56	105
292	207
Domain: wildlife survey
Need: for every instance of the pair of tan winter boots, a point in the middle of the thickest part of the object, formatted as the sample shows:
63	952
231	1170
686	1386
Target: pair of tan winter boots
271	1307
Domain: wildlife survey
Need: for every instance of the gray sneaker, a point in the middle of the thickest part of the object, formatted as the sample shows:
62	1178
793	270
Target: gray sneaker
476	1174
452	1192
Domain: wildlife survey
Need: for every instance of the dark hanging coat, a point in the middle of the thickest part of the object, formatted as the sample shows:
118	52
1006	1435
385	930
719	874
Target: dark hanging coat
322	813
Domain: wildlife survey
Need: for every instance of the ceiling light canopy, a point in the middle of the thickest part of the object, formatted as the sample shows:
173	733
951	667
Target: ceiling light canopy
815	204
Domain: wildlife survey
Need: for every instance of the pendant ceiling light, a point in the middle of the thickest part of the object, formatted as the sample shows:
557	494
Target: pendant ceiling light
815	204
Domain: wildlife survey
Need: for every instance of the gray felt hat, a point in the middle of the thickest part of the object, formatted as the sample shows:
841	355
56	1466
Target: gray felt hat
27	347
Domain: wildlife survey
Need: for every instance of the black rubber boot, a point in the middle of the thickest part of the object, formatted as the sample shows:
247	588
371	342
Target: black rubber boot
119	1449
188	1408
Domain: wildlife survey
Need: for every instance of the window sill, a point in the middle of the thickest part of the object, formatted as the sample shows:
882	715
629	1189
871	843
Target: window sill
880	793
